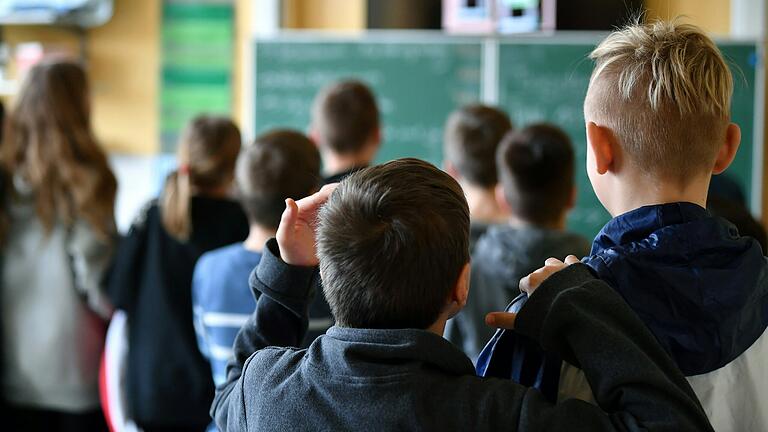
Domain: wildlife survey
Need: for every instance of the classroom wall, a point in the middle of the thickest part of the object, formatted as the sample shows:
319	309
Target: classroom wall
243	32
712	15
123	57
324	14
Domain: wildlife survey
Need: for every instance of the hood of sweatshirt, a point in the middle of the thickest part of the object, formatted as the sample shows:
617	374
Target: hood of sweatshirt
700	287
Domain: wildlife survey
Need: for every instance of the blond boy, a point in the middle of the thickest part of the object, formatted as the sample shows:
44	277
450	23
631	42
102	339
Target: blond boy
658	127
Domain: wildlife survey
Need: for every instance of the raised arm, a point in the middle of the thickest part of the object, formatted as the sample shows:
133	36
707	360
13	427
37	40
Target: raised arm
286	277
280	320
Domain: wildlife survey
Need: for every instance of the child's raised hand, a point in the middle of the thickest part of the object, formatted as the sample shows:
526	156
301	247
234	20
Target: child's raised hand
529	284
298	226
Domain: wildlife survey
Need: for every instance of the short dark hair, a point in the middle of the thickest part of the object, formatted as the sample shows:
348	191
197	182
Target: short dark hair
279	164
345	116
472	135
392	241
536	171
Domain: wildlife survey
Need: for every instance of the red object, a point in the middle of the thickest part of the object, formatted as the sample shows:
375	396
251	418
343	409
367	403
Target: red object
103	393
184	169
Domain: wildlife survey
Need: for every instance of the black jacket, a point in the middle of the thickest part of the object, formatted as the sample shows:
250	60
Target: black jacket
169	381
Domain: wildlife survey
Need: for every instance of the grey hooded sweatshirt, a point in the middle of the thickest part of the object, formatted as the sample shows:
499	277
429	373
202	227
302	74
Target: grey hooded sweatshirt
501	257
355	379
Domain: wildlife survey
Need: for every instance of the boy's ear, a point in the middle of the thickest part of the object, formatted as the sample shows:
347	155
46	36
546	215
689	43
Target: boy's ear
461	290
501	198
729	148
601	144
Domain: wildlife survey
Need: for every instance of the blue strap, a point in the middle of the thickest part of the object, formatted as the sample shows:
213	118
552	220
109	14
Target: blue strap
512	356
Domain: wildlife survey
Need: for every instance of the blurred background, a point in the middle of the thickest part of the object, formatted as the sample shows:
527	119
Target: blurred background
155	63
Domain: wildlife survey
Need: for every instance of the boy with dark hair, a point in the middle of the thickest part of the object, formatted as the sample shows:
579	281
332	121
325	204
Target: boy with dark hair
536	173
658	123
279	164
472	135
345	126
392	246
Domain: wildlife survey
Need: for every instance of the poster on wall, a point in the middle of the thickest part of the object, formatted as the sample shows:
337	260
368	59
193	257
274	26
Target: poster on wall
197	51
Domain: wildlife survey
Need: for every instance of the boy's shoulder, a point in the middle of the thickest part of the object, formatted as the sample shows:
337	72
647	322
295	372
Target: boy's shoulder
269	367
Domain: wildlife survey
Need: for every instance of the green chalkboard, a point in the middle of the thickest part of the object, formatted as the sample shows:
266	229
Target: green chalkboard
547	82
416	84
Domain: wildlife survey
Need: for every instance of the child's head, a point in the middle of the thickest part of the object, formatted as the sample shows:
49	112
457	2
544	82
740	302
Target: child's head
279	164
51	146
393	244
472	135
345	120
207	152
536	173
658	106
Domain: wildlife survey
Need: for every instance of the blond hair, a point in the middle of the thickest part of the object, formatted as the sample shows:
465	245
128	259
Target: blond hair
207	153
664	90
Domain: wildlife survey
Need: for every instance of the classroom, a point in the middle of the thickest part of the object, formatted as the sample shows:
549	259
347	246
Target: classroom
383	215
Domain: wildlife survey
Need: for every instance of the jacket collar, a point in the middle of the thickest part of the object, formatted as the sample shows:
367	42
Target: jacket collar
699	287
642	222
378	353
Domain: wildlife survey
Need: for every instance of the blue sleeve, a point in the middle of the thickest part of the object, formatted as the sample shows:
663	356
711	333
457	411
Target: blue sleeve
280	319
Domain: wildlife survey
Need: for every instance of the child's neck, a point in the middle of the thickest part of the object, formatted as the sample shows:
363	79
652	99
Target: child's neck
337	163
257	237
631	195
483	206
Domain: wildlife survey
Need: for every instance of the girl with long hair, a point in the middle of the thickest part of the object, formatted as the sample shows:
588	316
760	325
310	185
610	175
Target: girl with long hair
169	384
57	232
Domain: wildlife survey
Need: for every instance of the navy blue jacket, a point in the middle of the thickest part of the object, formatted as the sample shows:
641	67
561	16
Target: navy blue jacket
700	288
